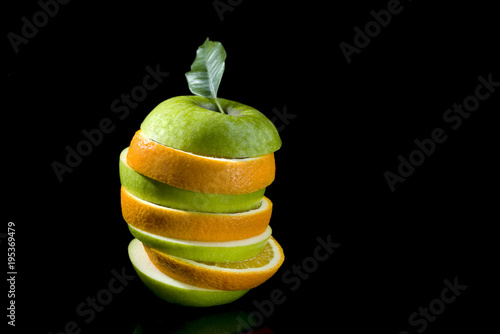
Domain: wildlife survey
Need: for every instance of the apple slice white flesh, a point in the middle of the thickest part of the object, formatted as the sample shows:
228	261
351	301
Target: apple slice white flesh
226	251
172	290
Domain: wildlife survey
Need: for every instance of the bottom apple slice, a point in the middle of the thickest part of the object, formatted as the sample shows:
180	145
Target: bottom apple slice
224	251
172	290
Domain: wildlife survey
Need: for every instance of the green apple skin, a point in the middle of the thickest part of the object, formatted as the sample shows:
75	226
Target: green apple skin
174	291
192	124
187	297
231	251
163	194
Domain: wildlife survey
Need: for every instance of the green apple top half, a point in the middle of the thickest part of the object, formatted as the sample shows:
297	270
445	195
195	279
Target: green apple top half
206	125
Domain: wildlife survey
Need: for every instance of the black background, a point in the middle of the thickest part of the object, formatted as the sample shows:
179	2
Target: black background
351	122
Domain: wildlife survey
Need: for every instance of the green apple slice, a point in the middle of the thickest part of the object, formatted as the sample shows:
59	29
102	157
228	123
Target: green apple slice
166	195
225	251
172	290
193	124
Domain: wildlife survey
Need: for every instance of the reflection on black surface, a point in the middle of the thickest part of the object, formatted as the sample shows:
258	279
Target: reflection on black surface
231	322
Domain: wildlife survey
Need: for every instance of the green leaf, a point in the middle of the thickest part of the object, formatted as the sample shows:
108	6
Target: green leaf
206	70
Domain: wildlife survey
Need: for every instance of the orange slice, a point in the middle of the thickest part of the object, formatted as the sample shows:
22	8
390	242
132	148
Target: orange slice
194	226
230	276
199	173
172	290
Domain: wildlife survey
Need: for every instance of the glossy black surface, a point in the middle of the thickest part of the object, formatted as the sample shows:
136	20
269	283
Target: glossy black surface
419	259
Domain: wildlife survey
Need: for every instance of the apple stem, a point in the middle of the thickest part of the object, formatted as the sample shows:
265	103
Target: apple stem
219	106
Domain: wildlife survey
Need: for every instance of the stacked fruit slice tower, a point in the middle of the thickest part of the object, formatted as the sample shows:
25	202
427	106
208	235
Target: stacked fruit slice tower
193	182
